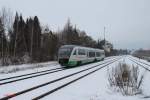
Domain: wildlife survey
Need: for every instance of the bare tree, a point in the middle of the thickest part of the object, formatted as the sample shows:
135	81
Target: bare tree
6	17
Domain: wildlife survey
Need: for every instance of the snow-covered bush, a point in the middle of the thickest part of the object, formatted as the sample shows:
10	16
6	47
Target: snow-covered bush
6	61
125	78
26	58
15	60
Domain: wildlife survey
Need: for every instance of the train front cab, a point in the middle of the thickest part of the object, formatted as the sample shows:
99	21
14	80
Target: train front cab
64	55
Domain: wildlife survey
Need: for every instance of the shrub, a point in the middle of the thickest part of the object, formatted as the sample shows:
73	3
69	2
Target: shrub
125	78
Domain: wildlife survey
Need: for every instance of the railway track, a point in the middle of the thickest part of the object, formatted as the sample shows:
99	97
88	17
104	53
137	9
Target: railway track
64	77
140	64
70	82
30	75
13	77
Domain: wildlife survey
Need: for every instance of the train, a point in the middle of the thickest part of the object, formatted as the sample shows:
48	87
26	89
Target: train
73	55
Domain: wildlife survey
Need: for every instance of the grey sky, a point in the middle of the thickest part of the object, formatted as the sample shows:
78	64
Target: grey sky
127	22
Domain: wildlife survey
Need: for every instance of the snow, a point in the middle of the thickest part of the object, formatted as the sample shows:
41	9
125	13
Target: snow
92	87
108	94
23	67
24	84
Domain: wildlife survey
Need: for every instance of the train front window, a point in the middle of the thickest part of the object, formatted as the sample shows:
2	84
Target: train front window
75	52
65	52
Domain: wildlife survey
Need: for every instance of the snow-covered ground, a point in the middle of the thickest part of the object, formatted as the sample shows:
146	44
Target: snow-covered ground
23	67
107	94
92	87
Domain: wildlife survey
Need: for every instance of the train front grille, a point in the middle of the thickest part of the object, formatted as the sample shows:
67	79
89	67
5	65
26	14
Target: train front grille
63	61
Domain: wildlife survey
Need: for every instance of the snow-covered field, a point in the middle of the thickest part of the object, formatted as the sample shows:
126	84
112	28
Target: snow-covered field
92	87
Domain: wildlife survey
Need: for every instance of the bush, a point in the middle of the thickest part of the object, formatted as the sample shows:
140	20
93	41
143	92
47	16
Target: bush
125	79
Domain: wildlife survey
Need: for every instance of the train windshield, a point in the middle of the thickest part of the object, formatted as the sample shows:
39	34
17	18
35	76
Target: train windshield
65	52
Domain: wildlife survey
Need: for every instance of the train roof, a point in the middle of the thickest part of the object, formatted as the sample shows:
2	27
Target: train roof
72	46
69	46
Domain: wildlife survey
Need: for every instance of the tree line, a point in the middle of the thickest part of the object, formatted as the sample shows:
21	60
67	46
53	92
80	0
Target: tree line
26	41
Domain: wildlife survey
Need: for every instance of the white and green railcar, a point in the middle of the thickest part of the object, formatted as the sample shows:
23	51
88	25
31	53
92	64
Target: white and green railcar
72	55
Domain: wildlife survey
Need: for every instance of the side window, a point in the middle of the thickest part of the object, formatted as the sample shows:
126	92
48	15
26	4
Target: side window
91	54
98	54
81	52
75	52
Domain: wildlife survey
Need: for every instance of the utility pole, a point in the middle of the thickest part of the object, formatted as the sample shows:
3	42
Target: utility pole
104	36
104	33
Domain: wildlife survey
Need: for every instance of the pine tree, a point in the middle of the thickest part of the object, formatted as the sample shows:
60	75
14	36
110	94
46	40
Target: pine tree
35	39
70	34
27	34
21	41
14	35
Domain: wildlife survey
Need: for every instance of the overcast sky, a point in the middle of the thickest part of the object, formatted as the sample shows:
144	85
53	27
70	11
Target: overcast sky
127	22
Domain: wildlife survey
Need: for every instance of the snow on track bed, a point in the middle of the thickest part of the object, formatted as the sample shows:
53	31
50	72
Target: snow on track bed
48	77
72	81
82	89
29	75
140	60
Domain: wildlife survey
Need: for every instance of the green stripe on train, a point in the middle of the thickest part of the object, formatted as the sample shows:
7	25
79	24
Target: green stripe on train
72	63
